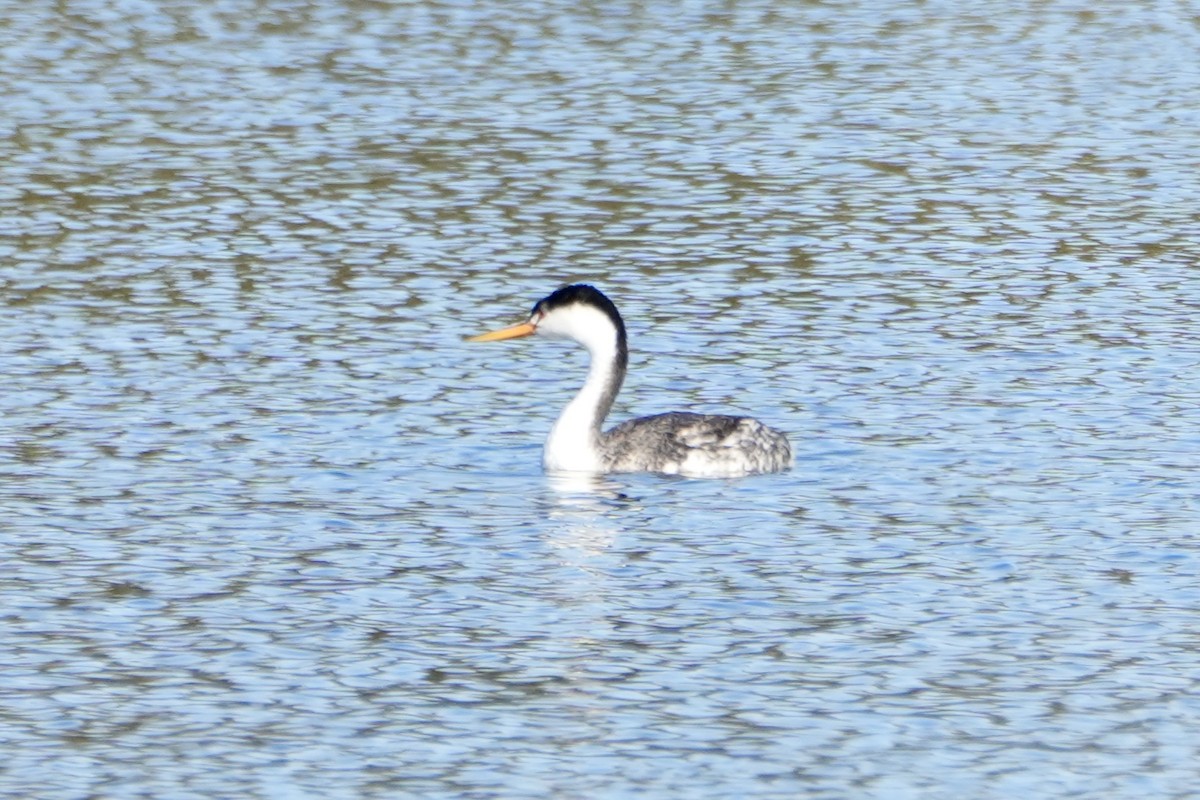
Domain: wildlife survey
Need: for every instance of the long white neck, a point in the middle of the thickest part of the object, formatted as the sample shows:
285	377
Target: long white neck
575	440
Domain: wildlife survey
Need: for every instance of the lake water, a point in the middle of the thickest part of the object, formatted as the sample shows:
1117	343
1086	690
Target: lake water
269	528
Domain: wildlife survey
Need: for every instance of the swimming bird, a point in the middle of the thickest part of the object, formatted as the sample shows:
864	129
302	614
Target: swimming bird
676	443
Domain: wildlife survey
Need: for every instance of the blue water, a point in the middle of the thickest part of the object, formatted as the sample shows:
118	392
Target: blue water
270	528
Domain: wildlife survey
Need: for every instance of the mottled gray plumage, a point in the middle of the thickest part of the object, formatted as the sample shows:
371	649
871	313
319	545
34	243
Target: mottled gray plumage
677	441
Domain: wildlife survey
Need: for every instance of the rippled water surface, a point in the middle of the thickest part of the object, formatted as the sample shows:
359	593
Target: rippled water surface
269	528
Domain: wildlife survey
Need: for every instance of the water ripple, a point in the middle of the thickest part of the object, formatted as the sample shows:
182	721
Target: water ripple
273	530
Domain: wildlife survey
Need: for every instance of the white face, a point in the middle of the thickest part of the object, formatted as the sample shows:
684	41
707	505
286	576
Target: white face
585	324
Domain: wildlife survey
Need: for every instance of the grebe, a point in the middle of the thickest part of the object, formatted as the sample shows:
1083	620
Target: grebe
678	442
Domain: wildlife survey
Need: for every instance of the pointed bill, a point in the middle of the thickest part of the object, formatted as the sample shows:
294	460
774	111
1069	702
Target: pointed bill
512	332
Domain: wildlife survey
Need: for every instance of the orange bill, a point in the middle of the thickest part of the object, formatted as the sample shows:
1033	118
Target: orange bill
512	332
